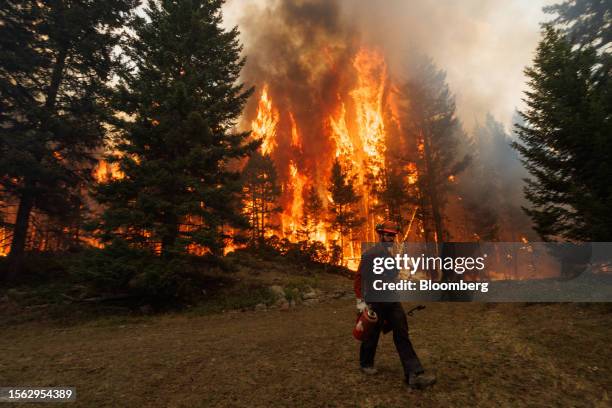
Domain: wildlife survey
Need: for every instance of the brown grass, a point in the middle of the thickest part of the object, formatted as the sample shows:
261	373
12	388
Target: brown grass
484	355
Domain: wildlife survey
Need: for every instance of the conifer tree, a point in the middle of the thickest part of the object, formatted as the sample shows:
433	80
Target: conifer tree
312	212
260	194
395	195
432	120
54	72
585	22
344	214
180	99
565	142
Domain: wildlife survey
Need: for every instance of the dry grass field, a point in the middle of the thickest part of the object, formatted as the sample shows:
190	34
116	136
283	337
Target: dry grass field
514	355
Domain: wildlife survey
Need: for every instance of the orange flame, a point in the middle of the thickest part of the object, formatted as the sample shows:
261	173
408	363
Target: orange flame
413	175
292	217
341	136
295	136
356	127
265	123
368	96
105	172
5	241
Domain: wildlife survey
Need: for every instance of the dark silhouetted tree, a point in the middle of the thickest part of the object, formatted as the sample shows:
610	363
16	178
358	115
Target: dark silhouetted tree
312	212
54	73
395	196
431	119
260	194
180	99
586	22
565	142
344	214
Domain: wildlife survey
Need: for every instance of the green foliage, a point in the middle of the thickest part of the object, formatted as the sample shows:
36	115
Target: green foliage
586	22
305	251
41	268
120	268
300	257
565	142
240	297
54	73
180	97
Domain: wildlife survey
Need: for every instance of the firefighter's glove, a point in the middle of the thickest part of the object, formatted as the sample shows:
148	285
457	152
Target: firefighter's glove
361	305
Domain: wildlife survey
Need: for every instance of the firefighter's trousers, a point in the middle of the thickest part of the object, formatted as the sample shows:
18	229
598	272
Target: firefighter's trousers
394	315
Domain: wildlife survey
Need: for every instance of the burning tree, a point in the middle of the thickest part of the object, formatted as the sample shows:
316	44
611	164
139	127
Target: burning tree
53	73
312	213
395	195
180	99
260	195
430	116
344	215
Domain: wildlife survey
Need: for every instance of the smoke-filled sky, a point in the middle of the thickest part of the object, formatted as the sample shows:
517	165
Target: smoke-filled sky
484	45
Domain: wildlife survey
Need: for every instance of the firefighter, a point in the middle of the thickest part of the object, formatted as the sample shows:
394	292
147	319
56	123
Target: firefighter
391	315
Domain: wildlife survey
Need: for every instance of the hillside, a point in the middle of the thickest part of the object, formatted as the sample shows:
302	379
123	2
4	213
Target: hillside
304	355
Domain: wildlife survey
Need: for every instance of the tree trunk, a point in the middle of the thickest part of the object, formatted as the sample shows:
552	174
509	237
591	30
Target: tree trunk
20	234
167	244
169	234
433	190
26	203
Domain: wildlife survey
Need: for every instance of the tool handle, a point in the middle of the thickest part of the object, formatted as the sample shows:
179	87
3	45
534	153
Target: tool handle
414	309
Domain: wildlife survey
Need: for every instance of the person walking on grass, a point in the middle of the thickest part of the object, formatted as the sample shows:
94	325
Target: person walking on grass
390	315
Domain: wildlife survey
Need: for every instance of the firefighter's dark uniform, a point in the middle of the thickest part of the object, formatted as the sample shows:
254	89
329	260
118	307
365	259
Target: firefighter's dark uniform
391	315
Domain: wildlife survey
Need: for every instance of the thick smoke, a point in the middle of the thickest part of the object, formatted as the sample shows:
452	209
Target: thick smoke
483	45
296	48
304	51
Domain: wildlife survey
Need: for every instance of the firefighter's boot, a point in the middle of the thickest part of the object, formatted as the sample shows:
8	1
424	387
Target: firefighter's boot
421	381
369	370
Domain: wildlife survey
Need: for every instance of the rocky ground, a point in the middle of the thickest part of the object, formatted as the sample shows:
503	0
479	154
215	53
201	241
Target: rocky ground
297	350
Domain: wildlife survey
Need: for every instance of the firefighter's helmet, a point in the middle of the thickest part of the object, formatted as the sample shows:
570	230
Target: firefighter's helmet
388	227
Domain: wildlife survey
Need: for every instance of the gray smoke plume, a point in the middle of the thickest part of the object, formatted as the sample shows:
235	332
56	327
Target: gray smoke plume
483	45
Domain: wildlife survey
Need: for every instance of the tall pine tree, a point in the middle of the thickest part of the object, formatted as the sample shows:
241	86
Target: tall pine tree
566	142
395	196
311	213
180	98
586	22
260	194
54	72
431	118
344	214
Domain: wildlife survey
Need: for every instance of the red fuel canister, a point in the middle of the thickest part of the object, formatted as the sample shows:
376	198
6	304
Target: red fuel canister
365	321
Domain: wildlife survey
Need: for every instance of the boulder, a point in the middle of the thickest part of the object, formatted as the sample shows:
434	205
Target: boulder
311	302
284	305
338	294
310	295
278	291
